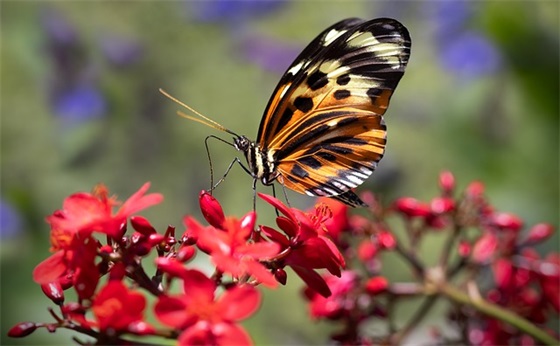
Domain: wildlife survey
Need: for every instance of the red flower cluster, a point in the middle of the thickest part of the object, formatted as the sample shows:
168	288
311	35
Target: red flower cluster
246	254
524	283
94	255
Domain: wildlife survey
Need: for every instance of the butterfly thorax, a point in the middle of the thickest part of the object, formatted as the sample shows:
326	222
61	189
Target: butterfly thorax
261	161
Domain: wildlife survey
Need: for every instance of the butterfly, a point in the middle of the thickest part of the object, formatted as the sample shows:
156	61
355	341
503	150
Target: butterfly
323	132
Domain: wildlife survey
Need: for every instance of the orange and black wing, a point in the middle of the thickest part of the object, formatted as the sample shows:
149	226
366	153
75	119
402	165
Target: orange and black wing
324	122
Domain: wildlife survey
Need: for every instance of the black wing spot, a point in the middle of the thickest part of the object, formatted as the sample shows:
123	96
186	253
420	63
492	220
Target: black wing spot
310	162
342	94
373	93
304	104
285	118
299	172
338	150
355	141
317	80
327	156
343	80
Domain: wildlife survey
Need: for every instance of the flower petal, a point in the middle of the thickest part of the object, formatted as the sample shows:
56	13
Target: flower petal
239	303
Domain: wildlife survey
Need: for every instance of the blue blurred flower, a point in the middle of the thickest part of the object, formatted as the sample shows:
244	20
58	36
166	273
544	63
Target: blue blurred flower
450	17
79	104
57	28
462	51
121	51
10	221
233	11
270	54
470	55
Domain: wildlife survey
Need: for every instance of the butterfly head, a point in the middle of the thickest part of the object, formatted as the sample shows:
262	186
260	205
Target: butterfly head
242	143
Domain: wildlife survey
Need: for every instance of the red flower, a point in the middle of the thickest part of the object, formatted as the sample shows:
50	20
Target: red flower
75	264
118	308
84	213
227	242
339	221
205	319
71	229
307	244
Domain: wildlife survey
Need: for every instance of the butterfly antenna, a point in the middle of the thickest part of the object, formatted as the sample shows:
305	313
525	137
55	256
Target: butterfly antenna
206	121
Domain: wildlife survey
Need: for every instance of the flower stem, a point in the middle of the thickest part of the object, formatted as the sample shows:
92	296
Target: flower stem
498	312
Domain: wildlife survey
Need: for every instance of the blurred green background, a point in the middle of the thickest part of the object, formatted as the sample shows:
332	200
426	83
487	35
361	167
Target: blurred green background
80	105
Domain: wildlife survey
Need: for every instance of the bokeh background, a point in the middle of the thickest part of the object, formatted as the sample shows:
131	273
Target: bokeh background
80	105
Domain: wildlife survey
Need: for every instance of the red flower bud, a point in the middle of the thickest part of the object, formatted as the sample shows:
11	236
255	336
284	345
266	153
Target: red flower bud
539	233
506	222
386	240
106	249
412	207
475	190
171	266
73	307
185	253
446	182
66	281
54	292
484	248
442	205
142	225
376	285
366	250
281	276
211	209
503	273
464	248
141	328
22	329
155	239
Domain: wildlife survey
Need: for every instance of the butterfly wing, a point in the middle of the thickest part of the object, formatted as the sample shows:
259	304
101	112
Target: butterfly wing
324	121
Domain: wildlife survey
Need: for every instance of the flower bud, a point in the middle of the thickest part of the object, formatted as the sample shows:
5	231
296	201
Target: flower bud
475	190
142	225
185	253
503	273
464	248
484	248
281	276
506	222
155	239
412	207
367	250
171	266
539	233
54	292
446	182
141	328
376	285
386	240
22	329
211	209
442	205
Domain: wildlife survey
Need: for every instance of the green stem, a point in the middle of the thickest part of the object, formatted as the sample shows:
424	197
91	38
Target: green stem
500	313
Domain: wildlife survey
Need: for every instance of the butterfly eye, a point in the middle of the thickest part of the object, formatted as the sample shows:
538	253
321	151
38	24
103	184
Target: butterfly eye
241	143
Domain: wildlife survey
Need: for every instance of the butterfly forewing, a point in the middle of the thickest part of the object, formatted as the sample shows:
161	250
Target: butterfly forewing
324	122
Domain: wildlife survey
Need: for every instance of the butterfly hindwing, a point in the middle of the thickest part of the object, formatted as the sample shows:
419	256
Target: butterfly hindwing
324	121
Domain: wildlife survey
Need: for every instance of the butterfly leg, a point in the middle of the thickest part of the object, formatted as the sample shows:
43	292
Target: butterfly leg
212	186
229	169
274	194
